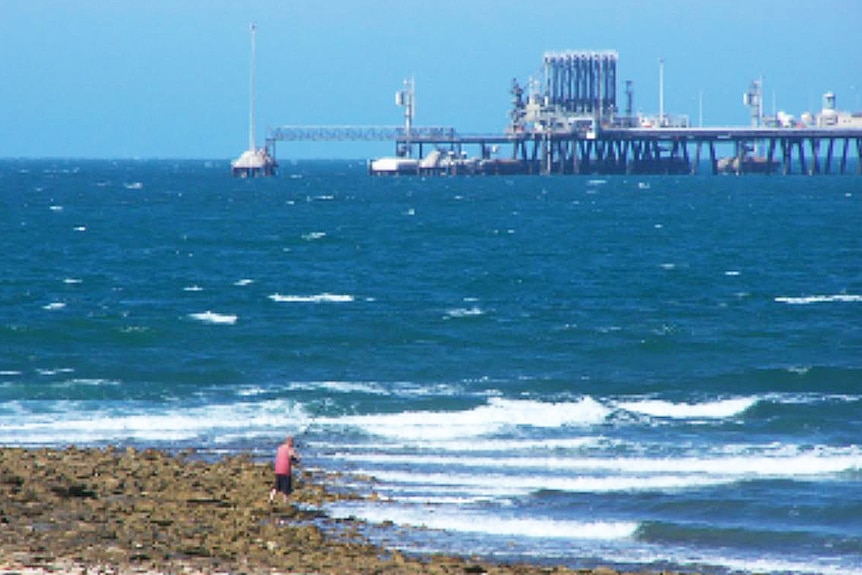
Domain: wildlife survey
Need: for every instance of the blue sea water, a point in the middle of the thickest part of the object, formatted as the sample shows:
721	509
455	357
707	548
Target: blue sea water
632	371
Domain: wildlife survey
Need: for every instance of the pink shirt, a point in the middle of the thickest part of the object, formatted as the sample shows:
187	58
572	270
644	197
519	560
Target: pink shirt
282	459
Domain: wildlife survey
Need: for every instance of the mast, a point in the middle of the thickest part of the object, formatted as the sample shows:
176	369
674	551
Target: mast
251	138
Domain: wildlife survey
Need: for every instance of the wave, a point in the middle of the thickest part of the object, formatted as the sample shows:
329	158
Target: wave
464	312
766	463
806	300
461	521
65	422
512	485
721	409
214	318
484	419
746	541
318	298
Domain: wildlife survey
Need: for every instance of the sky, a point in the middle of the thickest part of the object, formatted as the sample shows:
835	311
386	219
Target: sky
170	78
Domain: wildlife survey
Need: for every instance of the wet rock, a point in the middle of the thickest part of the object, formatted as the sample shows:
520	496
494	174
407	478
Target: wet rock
149	510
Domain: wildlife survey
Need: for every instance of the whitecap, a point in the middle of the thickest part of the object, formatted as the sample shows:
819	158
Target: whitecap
464	312
482	420
56	208
243	282
313	236
80	228
500	484
756	461
214	318
720	409
49	372
805	300
193	288
66	423
54	306
72	281
461	521
317	298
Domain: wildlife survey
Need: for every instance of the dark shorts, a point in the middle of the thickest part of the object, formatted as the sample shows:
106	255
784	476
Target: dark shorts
283	484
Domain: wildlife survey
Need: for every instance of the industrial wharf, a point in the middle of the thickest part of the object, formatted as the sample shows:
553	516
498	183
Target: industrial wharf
569	122
671	150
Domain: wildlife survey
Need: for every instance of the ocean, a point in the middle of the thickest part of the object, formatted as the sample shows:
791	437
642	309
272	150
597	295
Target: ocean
641	372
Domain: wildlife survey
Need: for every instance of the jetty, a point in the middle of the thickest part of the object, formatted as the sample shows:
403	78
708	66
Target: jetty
570	122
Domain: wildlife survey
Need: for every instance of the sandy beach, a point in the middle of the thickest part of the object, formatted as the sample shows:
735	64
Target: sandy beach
148	511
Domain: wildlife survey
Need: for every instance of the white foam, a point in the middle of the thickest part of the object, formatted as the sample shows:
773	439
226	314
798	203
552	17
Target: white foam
193	288
49	372
72	281
821	461
313	236
214	318
317	298
66	423
243	282
464	312
806	300
512	485
461	521
485	419
462	445
54	306
56	208
720	409
80	228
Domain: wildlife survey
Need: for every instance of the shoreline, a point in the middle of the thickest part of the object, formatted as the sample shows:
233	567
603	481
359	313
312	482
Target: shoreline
123	511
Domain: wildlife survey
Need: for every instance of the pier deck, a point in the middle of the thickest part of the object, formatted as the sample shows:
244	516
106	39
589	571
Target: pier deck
618	150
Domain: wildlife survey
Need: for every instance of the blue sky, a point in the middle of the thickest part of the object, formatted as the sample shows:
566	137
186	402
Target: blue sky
169	78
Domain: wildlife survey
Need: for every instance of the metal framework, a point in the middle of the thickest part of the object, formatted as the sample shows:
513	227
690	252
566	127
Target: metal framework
582	82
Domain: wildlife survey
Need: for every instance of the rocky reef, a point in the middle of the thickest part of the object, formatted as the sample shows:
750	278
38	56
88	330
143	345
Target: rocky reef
132	511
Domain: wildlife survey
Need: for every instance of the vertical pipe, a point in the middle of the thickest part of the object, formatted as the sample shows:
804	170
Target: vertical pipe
660	92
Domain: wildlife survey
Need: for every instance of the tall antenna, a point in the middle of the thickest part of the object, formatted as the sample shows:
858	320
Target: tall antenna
251	138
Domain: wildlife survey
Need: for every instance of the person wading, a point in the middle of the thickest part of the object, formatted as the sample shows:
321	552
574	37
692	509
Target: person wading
285	457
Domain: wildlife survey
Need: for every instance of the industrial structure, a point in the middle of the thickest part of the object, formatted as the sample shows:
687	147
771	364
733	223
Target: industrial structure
569	122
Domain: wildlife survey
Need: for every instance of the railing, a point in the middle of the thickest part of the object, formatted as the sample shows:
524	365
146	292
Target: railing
357	133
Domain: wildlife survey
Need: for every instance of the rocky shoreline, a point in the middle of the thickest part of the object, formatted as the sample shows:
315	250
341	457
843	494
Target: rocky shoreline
148	511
